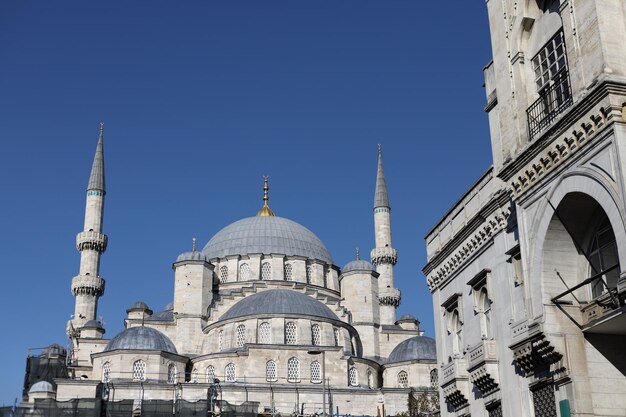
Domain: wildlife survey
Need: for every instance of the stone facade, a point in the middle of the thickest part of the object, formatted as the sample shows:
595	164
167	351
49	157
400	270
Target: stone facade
526	270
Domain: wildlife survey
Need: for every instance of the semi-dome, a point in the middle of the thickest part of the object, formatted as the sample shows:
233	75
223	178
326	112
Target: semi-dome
266	234
357	265
141	338
41	386
279	302
415	348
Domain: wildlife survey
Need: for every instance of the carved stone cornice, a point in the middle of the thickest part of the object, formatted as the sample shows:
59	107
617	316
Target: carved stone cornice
531	347
384	255
495	222
87	285
389	297
91	240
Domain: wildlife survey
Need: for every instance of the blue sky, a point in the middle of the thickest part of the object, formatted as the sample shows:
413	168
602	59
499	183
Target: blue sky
200	100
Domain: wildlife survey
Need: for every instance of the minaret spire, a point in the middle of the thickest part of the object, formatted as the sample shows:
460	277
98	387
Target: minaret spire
88	286
381	199
265	210
384	256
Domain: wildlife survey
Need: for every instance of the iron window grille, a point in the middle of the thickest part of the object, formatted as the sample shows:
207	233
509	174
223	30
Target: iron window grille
210	374
293	370
266	271
224	273
172	374
316	335
241	335
403	379
106	372
139	371
291	336
353	377
288	272
230	373
265	333
316	372
270	371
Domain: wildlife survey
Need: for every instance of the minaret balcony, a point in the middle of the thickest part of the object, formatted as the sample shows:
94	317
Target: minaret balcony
384	255
389	297
91	240
455	384
87	285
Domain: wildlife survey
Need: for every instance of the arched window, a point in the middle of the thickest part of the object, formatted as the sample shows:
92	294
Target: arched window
434	378
220	340
603	256
172	374
370	379
244	272
337	337
223	273
309	273
291	334
229	373
484	305
325	278
194	376
316	335
270	371
139	370
106	372
316	372
210	374
293	370
265	333
288	272
456	331
353	377
403	379
266	271
241	336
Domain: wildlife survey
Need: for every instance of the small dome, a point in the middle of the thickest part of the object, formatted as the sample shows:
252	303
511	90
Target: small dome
279	302
407	317
358	265
141	338
139	305
191	256
92	324
41	386
269	234
415	348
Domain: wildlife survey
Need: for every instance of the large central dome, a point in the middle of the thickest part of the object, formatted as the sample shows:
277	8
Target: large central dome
269	234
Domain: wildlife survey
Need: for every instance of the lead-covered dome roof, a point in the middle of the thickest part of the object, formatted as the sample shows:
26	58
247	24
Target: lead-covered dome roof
279	302
415	348
357	265
266	234
141	338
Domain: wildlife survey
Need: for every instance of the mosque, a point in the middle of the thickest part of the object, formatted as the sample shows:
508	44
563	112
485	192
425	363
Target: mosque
261	318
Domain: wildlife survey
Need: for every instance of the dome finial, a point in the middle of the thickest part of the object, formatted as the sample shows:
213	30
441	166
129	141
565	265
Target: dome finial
357	253
265	211
193	244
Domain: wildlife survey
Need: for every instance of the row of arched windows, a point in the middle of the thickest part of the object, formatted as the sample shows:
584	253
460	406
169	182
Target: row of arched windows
265	335
266	273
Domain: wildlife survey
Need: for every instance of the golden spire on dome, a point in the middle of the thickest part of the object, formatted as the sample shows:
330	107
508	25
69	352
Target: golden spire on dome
266	210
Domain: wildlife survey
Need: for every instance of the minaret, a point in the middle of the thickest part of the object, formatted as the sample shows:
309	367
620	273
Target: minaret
88	286
384	256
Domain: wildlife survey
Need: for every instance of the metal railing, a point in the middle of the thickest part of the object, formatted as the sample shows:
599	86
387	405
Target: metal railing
552	101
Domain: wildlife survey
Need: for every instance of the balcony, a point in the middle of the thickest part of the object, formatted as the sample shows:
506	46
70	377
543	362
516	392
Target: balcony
483	366
552	101
455	383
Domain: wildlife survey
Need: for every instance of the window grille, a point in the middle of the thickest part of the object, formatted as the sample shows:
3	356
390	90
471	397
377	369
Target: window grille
139	371
293	370
220	340
106	372
172	374
353	377
241	335
434	378
325	278
370	379
270	371
603	256
265	333
403	379
244	272
337	337
194	376
230	373
544	402
288	272
266	271
210	374
291	334
316	372
316	335
495	411
309	273
223	273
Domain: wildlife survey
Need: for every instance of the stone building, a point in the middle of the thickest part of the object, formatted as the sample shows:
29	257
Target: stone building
261	316
526	269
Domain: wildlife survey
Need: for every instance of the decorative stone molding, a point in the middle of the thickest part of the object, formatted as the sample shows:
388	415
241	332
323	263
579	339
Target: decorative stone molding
483	366
455	383
91	240
87	285
492	224
389	297
531	348
385	255
554	154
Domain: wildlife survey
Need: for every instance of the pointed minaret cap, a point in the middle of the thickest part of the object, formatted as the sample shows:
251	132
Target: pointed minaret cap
96	179
380	196
265	210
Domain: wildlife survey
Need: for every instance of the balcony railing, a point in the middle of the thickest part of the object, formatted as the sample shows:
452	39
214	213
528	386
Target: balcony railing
552	101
